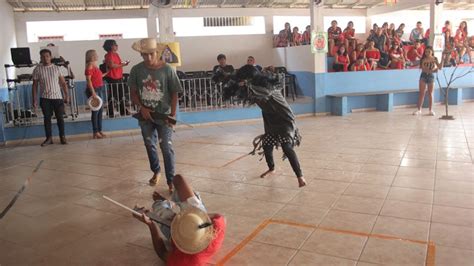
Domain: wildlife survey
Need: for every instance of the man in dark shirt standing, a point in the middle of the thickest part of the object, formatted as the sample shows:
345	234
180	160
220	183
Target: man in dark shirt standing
380	41
222	71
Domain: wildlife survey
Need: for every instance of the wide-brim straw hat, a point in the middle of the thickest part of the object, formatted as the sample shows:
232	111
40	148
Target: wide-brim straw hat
192	230
95	103
148	46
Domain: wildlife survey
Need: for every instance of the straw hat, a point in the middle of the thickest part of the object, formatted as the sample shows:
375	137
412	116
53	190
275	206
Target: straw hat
192	230
95	103
148	46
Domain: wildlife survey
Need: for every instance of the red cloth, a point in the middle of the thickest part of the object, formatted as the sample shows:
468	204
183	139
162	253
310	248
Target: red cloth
116	73
460	36
412	55
396	54
427	34
96	76
178	258
349	33
342	59
356	55
372	54
360	67
306	37
335	34
297	38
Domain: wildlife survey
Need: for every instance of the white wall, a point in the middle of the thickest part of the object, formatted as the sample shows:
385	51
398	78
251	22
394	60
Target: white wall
298	58
198	53
7	38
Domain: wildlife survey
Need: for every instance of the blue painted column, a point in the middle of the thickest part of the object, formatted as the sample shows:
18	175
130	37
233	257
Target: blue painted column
455	96
339	106
385	102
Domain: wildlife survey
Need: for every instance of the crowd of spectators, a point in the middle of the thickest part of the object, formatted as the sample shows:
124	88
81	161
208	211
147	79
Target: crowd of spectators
385	46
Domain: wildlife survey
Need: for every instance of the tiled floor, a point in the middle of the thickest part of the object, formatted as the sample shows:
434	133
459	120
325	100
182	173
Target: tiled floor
369	174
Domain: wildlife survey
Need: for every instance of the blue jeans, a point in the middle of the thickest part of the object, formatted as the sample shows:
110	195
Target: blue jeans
152	135
96	116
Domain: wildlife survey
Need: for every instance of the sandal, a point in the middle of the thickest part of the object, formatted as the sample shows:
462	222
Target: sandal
154	179
170	188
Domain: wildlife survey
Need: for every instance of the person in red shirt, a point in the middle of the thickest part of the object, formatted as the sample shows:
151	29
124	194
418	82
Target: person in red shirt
114	77
349	36
460	40
186	234
285	36
335	36
450	55
373	55
360	65
396	57
95	88
415	53
359	52
296	37
307	36
342	60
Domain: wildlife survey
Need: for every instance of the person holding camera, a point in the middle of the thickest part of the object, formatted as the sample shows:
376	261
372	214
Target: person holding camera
48	77
154	88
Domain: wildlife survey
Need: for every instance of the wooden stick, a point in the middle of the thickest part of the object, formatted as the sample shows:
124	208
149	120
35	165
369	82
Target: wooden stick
121	205
133	211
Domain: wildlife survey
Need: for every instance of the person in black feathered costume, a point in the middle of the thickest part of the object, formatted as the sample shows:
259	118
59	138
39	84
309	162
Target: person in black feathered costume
254	87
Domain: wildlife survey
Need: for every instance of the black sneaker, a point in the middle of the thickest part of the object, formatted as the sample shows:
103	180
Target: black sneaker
47	142
63	140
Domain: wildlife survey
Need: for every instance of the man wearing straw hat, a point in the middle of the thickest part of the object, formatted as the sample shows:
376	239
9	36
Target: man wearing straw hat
154	88
186	234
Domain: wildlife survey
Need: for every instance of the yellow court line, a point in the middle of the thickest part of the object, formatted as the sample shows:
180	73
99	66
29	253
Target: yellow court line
430	255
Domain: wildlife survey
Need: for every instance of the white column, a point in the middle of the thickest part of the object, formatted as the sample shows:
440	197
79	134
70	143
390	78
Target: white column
368	25
436	14
151	22
165	18
317	25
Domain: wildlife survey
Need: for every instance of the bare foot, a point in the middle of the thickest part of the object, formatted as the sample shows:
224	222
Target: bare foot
170	188
301	181
267	173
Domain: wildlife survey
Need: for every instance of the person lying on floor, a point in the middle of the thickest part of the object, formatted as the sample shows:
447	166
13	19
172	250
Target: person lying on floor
186	234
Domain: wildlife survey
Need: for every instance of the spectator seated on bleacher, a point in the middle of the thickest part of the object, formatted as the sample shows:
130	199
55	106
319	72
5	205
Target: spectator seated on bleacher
460	41
373	55
357	53
360	65
414	53
297	37
306	36
285	36
450	54
341	63
349	36
397	58
335	36
470	47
